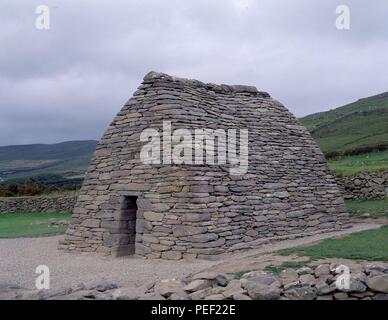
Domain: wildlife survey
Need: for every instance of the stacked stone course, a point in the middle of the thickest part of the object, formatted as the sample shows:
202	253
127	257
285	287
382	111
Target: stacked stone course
37	204
366	185
201	211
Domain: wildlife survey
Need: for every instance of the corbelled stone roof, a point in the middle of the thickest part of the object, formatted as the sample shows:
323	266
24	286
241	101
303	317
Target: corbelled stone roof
218	88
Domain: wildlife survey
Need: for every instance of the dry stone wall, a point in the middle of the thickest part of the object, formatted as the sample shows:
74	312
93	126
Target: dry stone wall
364	185
37	204
367	281
202	211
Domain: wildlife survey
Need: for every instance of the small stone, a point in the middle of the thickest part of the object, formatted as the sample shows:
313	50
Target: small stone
127	293
101	286
222	280
153	216
327	297
91	223
301	293
380	296
307	279
233	288
197	285
288	276
45	294
340	295
304	271
171	255
378	283
201	294
261	277
323	288
357	283
208	275
291	285
258	291
375	267
361	295
261	285
152	296
240	296
180	296
182	231
168	286
215	297
322	270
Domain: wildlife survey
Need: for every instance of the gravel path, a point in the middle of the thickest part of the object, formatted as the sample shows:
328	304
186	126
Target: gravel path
20	257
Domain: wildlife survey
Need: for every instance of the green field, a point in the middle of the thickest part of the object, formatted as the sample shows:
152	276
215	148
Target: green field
357	125
351	165
67	159
368	208
15	225
366	245
358	128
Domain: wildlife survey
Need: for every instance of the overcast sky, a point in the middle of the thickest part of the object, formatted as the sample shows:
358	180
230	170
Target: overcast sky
68	82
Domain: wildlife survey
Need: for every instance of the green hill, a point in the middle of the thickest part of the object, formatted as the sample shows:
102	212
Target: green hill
357	127
354	129
355	136
68	159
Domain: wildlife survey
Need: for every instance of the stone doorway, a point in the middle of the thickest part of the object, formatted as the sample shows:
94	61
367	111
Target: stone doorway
128	213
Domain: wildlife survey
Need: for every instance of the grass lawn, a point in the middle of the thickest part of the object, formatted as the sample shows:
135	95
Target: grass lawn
15	225
352	165
366	245
368	208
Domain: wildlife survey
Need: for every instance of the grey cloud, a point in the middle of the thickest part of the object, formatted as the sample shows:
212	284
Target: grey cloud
67	83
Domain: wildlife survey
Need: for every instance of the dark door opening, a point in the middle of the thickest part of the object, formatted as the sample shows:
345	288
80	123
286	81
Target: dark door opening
127	226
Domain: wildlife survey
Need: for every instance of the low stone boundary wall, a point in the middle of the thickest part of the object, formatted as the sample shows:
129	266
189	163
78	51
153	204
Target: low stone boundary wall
38	204
361	281
364	186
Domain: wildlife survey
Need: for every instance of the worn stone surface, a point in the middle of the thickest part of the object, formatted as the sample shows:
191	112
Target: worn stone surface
304	271
233	288
301	293
322	270
127	293
198	285
324	288
261	291
288	276
180	296
169	286
101	286
261	285
379	283
307	279
357	283
203	211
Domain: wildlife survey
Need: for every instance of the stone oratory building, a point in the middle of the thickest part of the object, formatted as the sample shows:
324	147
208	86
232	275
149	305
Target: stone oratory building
171	210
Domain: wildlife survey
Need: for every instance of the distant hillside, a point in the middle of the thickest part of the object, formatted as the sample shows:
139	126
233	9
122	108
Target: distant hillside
354	128
68	159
